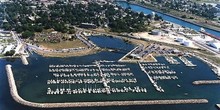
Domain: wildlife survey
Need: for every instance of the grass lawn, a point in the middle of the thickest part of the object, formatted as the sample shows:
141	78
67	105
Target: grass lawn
64	44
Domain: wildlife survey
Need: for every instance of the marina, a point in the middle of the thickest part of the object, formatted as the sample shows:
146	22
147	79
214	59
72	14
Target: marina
149	76
101	74
14	93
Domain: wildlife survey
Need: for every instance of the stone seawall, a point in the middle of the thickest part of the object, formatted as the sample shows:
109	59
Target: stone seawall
203	82
17	98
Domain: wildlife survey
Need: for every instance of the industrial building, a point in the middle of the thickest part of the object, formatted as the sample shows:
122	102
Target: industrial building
187	43
156	32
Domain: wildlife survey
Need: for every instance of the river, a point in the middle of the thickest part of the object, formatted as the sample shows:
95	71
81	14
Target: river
166	17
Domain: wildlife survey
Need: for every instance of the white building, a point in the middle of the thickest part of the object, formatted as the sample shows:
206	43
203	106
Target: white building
156	32
215	45
8	48
5	34
187	43
180	39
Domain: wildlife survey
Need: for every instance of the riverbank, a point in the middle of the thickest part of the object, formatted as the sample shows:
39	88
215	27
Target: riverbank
17	98
168	14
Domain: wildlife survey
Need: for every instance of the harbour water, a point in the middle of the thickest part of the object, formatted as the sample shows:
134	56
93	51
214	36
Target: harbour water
183	23
31	81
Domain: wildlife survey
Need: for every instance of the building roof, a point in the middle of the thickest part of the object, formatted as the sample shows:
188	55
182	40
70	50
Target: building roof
215	44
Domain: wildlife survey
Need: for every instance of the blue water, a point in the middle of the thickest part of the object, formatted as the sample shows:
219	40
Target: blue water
33	88
168	18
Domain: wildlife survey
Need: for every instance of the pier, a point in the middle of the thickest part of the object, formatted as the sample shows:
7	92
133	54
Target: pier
186	61
171	60
204	82
17	98
24	60
158	88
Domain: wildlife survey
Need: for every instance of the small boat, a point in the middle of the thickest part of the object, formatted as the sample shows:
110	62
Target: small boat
178	85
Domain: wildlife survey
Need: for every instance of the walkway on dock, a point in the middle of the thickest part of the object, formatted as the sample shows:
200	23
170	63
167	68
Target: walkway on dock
158	88
16	97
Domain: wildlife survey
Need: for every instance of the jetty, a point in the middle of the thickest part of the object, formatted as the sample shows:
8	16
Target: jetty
17	98
203	82
24	60
218	106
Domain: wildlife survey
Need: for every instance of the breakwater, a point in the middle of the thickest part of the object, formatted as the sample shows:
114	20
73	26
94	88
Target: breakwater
24	60
202	82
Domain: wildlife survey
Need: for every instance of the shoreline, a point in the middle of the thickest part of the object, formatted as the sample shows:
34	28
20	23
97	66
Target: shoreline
159	11
66	54
17	98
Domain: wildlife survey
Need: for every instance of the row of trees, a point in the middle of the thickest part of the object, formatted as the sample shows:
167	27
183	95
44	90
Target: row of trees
204	10
60	15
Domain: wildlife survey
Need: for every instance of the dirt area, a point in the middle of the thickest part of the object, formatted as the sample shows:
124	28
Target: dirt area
165	39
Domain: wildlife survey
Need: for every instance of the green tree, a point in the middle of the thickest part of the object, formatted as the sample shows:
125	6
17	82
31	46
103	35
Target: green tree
27	34
10	53
7	26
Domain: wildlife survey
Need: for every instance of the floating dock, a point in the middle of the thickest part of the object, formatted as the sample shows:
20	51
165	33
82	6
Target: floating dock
17	98
203	82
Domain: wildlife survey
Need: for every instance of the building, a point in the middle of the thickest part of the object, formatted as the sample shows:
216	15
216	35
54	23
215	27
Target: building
8	48
156	32
187	43
88	25
181	40
214	44
5	34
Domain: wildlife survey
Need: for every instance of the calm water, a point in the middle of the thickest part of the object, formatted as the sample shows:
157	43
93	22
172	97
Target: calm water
34	88
167	18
